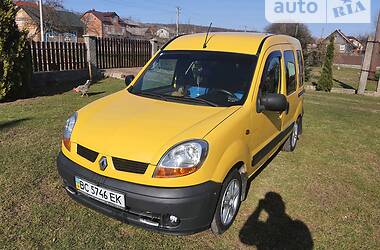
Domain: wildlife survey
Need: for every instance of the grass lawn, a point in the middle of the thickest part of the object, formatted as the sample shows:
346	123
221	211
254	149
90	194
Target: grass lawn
330	183
344	78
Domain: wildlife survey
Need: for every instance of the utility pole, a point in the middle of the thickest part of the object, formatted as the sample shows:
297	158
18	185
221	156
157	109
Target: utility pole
375	52
296	31
366	66
41	22
178	13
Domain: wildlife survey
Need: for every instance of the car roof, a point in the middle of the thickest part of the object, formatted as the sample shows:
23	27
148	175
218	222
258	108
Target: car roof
233	42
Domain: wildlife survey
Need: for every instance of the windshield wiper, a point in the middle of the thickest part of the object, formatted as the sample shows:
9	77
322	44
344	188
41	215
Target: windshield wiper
176	98
151	94
197	100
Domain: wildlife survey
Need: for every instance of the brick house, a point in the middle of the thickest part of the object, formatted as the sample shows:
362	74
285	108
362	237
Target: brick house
60	25
104	24
345	44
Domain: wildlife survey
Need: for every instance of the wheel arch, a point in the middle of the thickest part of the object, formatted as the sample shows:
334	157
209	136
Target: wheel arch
235	157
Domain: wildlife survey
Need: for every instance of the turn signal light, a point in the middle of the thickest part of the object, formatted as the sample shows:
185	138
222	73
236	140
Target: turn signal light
67	143
162	172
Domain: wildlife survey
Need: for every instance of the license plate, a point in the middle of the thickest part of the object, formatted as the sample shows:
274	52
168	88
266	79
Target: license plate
101	194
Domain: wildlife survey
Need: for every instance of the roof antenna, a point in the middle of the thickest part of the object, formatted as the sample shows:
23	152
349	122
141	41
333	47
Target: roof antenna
208	31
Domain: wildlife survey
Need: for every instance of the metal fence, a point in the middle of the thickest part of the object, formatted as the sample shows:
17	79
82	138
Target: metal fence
56	56
356	60
121	53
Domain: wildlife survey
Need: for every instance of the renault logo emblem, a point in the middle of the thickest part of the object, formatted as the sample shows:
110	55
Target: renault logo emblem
103	163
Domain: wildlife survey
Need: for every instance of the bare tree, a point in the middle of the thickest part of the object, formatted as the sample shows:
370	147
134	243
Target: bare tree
299	31
302	33
56	4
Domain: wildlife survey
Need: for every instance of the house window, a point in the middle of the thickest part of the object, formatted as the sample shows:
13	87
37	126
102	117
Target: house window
342	47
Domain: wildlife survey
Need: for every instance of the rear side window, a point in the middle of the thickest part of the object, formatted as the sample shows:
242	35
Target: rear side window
290	64
300	67
271	79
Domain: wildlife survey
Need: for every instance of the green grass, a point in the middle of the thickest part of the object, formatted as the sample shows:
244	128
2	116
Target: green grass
344	78
330	183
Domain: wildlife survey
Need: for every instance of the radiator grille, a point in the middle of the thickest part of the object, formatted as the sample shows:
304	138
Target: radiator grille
129	166
87	153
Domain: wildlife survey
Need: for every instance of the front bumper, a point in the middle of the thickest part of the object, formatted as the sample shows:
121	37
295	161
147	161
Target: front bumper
149	207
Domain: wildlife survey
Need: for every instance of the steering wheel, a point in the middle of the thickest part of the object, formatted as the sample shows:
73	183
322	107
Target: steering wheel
226	92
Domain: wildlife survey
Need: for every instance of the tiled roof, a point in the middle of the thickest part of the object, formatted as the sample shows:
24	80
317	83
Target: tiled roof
106	17
56	18
137	31
29	4
132	23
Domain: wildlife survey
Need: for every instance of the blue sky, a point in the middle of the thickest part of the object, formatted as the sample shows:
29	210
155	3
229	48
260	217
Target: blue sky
223	13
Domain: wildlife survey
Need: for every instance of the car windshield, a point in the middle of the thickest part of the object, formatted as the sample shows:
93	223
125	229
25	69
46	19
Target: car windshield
198	78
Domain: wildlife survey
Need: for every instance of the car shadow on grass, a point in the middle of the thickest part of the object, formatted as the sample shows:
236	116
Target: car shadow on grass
279	230
11	124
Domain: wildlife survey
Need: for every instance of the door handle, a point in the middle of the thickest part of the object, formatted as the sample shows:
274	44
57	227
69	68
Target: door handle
287	108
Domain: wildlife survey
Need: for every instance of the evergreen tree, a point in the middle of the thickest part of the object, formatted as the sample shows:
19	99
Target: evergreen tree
15	64
325	82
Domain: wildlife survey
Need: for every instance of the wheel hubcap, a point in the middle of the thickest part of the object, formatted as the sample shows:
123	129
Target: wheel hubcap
294	135
230	202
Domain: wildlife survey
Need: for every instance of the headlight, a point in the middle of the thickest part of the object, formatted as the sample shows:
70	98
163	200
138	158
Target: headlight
182	159
70	123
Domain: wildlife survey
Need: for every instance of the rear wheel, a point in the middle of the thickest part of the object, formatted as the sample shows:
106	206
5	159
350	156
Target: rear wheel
228	204
291	143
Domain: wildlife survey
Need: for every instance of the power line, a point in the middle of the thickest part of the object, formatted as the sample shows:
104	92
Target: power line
140	6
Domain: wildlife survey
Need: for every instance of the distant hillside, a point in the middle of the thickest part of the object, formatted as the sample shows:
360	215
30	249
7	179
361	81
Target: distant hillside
190	28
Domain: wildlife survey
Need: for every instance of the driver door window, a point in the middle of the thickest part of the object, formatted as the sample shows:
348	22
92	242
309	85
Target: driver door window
271	79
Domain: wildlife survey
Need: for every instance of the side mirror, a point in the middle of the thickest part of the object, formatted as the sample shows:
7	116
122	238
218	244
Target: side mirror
129	79
273	102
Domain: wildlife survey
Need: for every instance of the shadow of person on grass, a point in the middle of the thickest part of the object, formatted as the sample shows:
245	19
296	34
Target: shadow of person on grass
13	123
279	231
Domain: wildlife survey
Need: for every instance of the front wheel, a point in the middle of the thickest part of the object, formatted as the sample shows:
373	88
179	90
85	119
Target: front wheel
228	204
291	143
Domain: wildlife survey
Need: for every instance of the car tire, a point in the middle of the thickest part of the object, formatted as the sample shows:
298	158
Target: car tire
291	143
228	204
300	129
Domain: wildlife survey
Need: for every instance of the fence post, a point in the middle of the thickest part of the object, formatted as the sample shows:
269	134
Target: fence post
91	55
154	44
378	86
366	65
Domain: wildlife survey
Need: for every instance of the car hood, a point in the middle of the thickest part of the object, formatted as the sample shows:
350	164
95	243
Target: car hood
141	129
